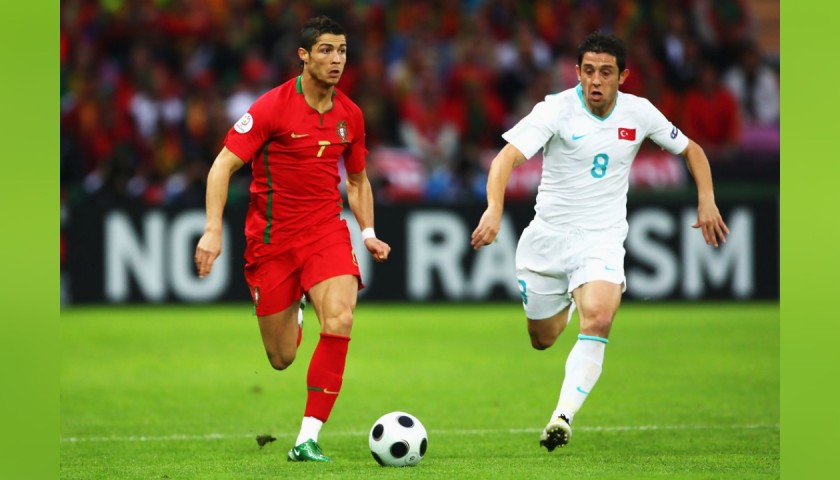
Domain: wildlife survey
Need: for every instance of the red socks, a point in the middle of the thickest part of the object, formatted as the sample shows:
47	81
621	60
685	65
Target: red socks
326	372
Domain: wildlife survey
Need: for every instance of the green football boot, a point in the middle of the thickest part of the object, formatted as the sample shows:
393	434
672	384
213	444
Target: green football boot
308	451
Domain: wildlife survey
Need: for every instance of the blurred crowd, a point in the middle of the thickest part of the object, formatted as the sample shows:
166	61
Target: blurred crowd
149	88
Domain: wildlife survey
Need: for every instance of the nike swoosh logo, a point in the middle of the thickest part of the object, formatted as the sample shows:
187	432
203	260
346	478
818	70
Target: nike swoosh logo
323	390
610	269
296	452
578	137
582	390
294	135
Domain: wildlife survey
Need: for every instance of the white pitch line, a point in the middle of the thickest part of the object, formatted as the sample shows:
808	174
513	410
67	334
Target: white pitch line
224	436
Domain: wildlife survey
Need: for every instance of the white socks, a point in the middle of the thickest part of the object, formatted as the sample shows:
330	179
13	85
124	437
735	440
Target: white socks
583	367
310	427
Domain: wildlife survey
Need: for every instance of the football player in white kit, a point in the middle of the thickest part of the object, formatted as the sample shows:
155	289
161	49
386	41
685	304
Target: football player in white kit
571	255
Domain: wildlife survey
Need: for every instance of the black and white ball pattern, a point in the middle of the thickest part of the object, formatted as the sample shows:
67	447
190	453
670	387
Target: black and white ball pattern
398	439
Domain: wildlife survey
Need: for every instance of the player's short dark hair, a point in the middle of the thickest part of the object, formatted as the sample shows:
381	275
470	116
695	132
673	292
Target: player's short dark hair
315	27
597	42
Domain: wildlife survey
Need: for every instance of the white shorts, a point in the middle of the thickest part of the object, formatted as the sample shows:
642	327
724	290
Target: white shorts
552	262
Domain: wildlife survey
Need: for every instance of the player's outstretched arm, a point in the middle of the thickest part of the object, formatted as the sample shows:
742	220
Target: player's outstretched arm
218	180
360	198
709	220
497	179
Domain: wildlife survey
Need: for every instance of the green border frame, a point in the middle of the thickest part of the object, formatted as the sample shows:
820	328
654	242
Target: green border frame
808	242
29	342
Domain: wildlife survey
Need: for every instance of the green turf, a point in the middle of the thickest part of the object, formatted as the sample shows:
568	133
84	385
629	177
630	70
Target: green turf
687	391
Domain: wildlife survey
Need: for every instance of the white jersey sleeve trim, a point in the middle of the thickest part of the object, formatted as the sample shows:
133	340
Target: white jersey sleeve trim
531	133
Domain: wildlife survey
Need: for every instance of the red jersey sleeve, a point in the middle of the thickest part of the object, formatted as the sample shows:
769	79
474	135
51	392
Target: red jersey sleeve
251	131
354	156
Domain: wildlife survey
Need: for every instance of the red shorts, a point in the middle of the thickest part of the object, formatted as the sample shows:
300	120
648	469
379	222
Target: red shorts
279	274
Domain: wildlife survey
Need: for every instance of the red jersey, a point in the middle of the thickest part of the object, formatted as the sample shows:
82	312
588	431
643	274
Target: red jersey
294	153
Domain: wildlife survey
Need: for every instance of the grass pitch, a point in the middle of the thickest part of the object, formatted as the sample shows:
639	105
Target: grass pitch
687	391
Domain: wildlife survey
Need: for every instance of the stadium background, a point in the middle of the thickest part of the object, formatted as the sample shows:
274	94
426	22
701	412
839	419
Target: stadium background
149	88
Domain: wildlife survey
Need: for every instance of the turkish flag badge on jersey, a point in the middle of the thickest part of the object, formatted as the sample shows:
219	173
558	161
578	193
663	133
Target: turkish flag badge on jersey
626	133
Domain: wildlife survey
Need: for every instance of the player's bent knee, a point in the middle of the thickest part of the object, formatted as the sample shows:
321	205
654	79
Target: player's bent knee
280	361
544	332
541	341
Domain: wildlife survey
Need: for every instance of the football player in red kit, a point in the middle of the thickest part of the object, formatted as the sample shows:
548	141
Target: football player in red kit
294	136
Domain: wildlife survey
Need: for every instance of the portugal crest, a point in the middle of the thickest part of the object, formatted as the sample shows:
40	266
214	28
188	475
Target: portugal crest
341	129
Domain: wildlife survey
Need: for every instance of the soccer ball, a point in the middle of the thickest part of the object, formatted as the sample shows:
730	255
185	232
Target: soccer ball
398	439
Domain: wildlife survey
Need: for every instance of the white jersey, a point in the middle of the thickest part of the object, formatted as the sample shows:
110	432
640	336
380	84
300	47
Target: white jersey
586	158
